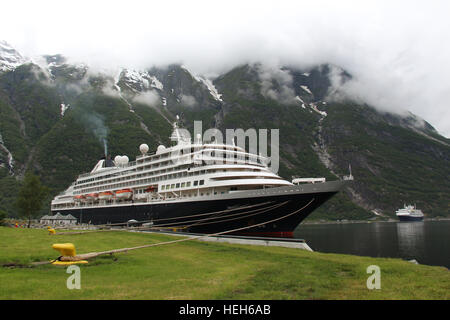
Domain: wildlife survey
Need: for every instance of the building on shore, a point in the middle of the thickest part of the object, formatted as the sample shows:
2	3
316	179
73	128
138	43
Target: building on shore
58	219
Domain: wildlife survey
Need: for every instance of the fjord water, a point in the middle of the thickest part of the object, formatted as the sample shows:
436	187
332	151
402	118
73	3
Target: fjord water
428	242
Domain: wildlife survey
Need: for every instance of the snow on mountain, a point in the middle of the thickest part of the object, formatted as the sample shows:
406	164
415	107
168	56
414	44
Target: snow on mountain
314	107
64	107
10	58
9	155
306	89
212	89
208	83
139	81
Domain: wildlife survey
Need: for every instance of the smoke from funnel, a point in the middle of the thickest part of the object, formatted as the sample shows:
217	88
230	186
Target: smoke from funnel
105	144
94	122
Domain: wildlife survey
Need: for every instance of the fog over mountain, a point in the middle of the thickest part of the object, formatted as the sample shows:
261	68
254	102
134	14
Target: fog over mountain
397	52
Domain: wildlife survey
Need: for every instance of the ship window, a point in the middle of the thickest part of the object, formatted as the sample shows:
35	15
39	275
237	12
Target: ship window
201	194
162	187
172	186
202	182
188	184
183	184
178	185
168	186
195	183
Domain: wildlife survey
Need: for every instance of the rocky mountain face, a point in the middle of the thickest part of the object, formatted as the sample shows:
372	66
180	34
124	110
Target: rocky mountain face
10	58
57	119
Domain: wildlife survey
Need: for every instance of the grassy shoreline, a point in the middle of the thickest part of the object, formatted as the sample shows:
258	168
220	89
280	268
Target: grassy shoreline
204	270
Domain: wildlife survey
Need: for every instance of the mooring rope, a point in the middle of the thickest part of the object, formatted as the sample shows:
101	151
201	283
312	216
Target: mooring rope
96	254
181	224
172	218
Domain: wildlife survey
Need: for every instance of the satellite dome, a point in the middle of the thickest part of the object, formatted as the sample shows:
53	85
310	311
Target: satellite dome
143	148
160	149
117	160
125	159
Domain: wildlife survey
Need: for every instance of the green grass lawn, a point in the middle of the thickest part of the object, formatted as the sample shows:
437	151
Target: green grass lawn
202	270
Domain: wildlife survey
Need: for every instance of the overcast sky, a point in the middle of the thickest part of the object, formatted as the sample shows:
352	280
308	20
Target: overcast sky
397	51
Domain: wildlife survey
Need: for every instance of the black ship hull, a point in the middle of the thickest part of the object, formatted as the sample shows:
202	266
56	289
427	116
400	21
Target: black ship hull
408	218
270	213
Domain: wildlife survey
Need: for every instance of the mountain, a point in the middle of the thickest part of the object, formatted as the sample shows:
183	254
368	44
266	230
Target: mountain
10	58
58	118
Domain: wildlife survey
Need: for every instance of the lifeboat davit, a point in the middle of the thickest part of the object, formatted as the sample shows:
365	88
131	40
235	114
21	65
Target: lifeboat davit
124	194
107	195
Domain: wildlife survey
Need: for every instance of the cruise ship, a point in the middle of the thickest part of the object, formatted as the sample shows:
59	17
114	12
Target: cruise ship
409	213
196	187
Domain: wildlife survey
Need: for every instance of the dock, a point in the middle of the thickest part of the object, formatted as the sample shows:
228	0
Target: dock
257	241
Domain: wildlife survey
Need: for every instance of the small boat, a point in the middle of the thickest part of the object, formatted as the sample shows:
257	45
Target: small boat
150	189
106	195
124	194
409	213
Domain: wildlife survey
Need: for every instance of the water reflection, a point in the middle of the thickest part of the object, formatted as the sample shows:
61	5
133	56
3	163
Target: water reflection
411	239
427	241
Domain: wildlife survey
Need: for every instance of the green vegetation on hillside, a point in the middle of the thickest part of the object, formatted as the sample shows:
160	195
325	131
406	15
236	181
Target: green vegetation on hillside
391	164
393	160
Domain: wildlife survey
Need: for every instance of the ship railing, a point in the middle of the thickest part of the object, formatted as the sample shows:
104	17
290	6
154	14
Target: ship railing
242	157
100	203
129	164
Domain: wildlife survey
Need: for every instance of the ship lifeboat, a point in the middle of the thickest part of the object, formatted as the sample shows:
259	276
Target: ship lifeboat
150	189
92	196
107	195
124	194
79	198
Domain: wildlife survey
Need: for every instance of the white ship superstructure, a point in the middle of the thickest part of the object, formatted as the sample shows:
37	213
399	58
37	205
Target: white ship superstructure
185	170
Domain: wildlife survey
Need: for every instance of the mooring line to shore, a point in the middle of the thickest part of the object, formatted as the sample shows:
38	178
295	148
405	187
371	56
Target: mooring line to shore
96	254
181	224
173	218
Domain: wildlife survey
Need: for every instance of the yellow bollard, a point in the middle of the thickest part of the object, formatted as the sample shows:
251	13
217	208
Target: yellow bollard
51	230
66	249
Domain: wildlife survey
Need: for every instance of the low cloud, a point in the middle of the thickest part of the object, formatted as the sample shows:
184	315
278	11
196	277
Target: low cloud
188	101
150	98
276	84
396	51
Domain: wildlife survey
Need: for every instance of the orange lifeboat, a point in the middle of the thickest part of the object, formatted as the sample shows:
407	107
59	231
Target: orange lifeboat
150	189
79	198
124	194
107	195
92	196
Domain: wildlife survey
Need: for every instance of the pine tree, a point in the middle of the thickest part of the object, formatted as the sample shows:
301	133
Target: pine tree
30	197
